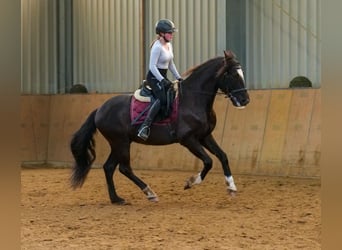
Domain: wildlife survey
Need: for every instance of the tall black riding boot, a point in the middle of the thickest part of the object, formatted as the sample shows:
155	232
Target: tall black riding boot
144	130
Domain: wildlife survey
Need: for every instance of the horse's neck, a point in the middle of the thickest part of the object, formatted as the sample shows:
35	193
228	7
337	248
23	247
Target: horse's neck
201	87
203	94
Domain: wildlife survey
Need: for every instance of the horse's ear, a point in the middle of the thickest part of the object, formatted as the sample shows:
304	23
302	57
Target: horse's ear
228	54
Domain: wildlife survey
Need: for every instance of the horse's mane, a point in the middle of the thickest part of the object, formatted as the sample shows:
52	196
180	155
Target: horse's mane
211	66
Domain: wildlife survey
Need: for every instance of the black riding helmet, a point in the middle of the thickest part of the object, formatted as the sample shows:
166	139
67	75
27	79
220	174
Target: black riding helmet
165	26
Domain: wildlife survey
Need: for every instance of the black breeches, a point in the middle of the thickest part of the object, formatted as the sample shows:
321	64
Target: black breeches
159	91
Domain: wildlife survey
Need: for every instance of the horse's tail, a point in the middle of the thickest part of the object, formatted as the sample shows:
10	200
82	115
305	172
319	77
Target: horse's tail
83	149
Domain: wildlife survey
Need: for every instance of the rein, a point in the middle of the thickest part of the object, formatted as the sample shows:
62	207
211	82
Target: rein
230	93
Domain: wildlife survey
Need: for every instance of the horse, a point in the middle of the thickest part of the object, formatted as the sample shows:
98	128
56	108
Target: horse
193	127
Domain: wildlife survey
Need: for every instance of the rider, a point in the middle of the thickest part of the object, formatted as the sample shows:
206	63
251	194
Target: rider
161	59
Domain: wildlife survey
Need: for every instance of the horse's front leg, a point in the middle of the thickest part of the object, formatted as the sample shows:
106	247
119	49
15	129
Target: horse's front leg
196	148
210	144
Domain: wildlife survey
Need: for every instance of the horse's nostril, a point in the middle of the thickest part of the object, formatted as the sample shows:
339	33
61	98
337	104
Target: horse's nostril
246	101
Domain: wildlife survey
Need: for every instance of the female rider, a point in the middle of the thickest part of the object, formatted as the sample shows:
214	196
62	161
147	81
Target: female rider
161	59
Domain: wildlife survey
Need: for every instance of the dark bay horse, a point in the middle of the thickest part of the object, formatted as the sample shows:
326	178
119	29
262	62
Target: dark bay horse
192	129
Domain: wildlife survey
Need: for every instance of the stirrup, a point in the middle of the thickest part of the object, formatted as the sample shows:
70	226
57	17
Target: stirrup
144	133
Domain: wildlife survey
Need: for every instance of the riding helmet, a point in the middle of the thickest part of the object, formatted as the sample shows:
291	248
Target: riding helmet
165	26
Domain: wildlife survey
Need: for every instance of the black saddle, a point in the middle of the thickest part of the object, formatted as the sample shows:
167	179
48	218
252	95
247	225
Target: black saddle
146	90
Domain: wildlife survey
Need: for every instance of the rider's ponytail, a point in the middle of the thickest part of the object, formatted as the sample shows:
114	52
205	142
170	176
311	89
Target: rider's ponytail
156	39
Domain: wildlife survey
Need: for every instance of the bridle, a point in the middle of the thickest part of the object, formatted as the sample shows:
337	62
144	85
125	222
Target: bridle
229	93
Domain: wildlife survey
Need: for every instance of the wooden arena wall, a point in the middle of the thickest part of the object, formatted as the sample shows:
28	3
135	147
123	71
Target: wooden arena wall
278	133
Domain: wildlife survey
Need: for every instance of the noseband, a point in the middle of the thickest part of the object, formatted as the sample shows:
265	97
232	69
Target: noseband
236	91
233	98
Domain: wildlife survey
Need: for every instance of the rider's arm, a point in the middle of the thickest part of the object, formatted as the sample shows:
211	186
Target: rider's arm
172	66
174	70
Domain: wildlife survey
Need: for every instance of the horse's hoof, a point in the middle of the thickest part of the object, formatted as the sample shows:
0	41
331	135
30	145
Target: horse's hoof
193	180
187	185
232	193
153	199
151	196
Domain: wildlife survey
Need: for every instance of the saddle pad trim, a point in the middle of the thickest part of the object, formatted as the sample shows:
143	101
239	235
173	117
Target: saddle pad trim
140	97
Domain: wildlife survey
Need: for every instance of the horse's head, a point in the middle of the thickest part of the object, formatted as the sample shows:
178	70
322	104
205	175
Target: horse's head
232	81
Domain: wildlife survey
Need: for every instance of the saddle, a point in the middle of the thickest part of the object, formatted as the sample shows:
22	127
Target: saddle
142	99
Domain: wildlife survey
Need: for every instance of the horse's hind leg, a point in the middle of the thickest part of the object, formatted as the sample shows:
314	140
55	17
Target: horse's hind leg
109	169
210	144
126	170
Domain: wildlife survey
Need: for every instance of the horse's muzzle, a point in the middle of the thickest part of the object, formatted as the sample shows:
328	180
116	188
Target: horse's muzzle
240	104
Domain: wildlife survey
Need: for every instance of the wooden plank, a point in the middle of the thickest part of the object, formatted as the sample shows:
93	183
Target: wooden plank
297	132
251	140
41	116
313	149
275	132
28	150
233	131
34	127
57	144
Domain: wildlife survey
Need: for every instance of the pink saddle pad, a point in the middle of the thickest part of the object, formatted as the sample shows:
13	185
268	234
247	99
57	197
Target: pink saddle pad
137	107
